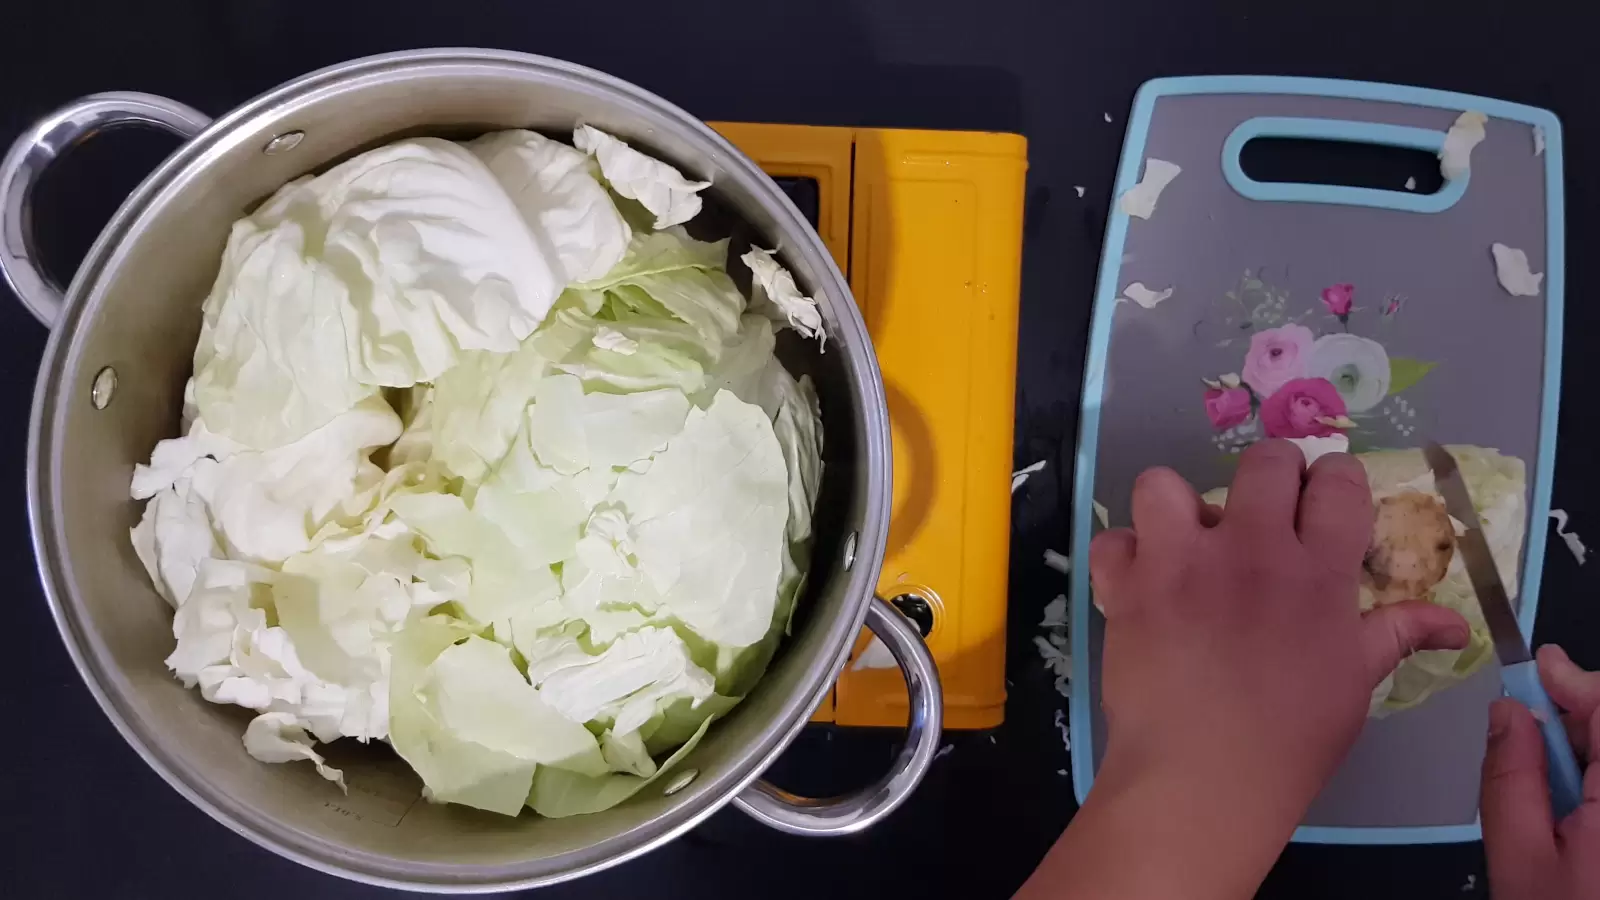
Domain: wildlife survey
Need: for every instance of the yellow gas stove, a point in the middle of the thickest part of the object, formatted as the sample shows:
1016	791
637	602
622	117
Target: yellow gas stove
927	227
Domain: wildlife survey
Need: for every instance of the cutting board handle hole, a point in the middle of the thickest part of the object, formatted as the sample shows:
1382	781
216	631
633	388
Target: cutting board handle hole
1341	163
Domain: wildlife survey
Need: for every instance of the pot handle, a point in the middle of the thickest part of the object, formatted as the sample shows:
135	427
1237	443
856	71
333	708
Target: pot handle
35	149
856	812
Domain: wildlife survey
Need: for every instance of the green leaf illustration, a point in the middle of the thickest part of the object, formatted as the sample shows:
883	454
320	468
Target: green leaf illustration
1403	373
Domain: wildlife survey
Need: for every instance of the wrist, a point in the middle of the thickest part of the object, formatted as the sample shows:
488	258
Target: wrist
1245	771
1217	829
1243	799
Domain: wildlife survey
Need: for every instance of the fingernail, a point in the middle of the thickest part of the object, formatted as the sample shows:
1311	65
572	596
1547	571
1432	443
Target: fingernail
1499	718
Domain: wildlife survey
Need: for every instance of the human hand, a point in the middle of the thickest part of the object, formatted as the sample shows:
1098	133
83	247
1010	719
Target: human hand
1531	856
1236	653
1237	671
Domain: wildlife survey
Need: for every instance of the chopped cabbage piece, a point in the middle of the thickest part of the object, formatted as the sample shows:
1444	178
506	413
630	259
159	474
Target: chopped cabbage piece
658	187
465	719
1140	200
275	738
626	683
709	515
779	299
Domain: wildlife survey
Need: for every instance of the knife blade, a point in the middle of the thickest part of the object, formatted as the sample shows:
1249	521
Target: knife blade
1519	674
1478	559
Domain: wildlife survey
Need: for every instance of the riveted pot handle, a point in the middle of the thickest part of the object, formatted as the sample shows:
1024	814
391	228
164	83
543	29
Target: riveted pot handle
33	151
852	813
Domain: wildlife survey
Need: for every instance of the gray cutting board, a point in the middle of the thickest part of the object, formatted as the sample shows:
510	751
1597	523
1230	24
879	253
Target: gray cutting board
1241	257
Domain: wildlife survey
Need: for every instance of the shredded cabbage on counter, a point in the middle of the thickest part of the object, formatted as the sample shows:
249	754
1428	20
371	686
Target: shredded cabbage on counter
484	456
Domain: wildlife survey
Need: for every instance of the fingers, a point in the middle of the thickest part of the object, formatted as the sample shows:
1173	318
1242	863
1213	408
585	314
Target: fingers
1580	831
1518	832
1572	688
1578	733
1391	633
1591	775
1166	509
1266	489
1110	556
1335	518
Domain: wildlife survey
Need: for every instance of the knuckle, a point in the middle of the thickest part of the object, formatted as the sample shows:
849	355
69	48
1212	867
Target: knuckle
1339	472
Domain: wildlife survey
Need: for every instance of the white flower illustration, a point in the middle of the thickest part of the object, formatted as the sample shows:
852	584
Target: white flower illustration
1358	368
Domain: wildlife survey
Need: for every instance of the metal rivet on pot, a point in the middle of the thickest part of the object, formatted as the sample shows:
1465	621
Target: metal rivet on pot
283	143
105	384
682	781
849	551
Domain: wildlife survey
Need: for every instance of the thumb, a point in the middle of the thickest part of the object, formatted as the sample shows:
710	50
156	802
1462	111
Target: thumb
1574	690
1391	633
1518	830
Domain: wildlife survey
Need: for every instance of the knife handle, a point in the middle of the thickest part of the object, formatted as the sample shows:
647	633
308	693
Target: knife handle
1566	778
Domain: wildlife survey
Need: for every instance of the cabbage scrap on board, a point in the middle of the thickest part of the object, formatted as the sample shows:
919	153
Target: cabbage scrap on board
1412	556
478	462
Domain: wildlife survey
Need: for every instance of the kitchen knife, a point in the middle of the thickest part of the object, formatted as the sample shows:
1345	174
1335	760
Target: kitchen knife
1519	673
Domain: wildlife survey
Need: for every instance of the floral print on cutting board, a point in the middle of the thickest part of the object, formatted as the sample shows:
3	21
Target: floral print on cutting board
1317	372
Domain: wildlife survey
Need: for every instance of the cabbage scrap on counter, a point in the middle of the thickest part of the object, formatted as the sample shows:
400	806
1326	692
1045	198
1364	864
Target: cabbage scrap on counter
1412	556
484	456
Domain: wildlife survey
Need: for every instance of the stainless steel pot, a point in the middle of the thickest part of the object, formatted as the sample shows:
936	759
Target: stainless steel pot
110	387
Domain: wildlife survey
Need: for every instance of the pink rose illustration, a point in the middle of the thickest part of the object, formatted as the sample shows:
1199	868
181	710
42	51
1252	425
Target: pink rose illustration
1227	407
1339	298
1276	356
1304	407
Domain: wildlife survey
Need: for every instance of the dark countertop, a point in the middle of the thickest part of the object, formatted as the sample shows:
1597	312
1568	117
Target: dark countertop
84	816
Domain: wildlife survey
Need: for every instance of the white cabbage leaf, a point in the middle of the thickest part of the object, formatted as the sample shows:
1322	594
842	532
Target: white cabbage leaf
342	610
276	738
267	505
625	685
658	187
556	189
780	299
174	536
378	272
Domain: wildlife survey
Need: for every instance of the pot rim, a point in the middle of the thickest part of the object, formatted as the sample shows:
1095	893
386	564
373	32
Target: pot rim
108	686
